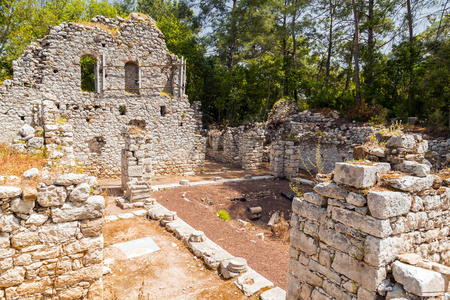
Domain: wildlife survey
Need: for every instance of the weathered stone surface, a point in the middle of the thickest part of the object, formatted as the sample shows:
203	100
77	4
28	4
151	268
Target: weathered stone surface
4	240
70	179
26	130
414	168
367	224
411	183
410	258
308	210
339	241
382	167
96	290
80	193
12	277
335	291
29	193
29	288
380	252
8	223
367	276
85	274
92	227
22	207
303	242
251	282
401	141
25	238
386	204
397	293
360	152
419	281
364	294
355	199
303	273
36	219
276	293
359	176
49	196
315	198
324	271
330	190
93	208
58	233
31	173
9	192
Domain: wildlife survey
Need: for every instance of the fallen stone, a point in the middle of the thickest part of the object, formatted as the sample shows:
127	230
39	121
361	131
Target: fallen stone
402	141
26	130
378	152
418	281
410	183
157	212
383	205
413	167
251	282
360	152
396	293
382	167
31	173
276	293
9	192
330	190
93	208
184	182
359	176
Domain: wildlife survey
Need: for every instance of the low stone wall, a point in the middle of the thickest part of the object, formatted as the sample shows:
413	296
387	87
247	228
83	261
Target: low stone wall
348	233
51	242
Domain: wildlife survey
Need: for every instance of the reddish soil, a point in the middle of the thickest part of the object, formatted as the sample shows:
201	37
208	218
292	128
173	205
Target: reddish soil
270	256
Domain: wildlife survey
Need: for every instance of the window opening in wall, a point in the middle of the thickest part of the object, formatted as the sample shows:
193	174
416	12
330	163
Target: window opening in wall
132	78
88	65
22	118
163	111
55	71
122	110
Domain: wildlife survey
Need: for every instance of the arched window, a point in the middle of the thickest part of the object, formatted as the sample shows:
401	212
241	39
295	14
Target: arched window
88	74
132	77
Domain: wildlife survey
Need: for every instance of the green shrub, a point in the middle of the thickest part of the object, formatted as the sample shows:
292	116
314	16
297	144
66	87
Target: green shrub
223	214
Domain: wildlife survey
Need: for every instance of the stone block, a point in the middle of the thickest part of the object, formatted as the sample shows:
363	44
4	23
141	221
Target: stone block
251	282
71	179
25	238
26	130
29	193
330	190
12	277
355	199
308	210
418	281
303	242
58	233
49	196
36	219
411	184
364	294
386	204
413	167
303	273
367	276
315	198
327	272
93	208
276	293
380	252
80	193
339	241
403	141
8	223
10	192
382	167
92	228
359	176
21	206
335	291
367	224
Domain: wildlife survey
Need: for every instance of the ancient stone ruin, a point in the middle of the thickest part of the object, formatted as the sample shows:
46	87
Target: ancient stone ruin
132	66
371	233
51	241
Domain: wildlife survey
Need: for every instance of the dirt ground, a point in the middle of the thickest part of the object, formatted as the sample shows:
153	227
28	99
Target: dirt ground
198	207
172	273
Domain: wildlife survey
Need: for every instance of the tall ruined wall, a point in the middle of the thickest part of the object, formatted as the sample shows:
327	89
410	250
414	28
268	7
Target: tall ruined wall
51	68
51	242
348	233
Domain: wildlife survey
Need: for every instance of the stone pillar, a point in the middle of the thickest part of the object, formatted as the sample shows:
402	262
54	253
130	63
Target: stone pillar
348	233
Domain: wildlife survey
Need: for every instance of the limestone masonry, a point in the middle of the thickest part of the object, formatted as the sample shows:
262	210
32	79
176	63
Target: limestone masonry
132	67
370	233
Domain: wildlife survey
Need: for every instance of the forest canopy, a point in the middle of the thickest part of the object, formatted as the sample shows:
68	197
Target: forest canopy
370	60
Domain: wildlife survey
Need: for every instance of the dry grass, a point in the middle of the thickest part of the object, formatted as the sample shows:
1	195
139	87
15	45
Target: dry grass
112	31
281	229
14	163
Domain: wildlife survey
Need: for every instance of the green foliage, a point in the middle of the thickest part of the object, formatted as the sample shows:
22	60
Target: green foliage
223	214
87	74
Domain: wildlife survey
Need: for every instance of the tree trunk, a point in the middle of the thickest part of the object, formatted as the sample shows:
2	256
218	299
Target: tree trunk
330	41
294	45
350	65
230	63
370	49
356	53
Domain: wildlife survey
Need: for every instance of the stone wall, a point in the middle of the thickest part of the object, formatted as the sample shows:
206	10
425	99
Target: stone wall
50	69
51	242
348	233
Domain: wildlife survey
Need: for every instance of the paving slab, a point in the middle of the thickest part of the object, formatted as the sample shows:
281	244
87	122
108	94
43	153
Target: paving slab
251	282
274	294
139	247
